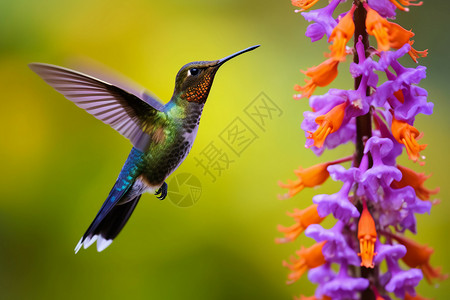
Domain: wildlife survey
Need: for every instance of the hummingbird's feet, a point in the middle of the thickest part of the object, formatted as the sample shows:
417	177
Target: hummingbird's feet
162	192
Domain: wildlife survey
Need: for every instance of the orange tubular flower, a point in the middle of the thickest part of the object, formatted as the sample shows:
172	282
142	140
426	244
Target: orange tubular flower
322	75
367	236
418	255
303	219
341	34
309	258
406	134
416	181
304	4
378	27
390	34
416	297
328	123
398	36
405	3
310	177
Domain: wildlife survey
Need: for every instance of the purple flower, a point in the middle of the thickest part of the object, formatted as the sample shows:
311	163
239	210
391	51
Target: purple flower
324	18
322	104
384	7
402	281
386	250
338	172
344	287
336	248
391	205
409	221
379	148
321	274
359	102
398	207
383	131
379	173
365	66
357	98
415	102
315	32
409	76
388	57
338	204
413	99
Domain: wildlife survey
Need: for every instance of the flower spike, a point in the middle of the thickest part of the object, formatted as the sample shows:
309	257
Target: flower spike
378	116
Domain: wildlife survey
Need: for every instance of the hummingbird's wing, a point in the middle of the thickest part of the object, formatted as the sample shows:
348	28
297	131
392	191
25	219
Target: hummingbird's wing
106	74
152	100
123	111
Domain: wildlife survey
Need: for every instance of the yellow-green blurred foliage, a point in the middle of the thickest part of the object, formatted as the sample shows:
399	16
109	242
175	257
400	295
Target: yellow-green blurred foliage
58	163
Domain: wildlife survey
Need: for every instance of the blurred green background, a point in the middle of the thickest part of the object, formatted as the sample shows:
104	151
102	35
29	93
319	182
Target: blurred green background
58	162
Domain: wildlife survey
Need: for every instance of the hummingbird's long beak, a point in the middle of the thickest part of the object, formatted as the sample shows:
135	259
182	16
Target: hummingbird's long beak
227	58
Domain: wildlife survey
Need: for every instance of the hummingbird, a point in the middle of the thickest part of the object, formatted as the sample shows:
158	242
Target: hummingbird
161	134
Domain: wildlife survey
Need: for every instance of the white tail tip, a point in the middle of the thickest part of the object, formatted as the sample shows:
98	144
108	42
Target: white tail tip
102	243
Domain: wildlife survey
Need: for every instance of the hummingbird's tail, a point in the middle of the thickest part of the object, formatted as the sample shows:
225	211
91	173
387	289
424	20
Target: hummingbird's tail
117	208
105	230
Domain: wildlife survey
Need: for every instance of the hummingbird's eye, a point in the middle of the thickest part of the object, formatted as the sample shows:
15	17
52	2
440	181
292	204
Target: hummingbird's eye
193	71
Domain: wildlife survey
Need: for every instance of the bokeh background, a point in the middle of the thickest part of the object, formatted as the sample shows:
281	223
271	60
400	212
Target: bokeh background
58	163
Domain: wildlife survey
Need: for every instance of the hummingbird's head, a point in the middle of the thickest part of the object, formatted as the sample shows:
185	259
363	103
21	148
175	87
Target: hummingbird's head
194	79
